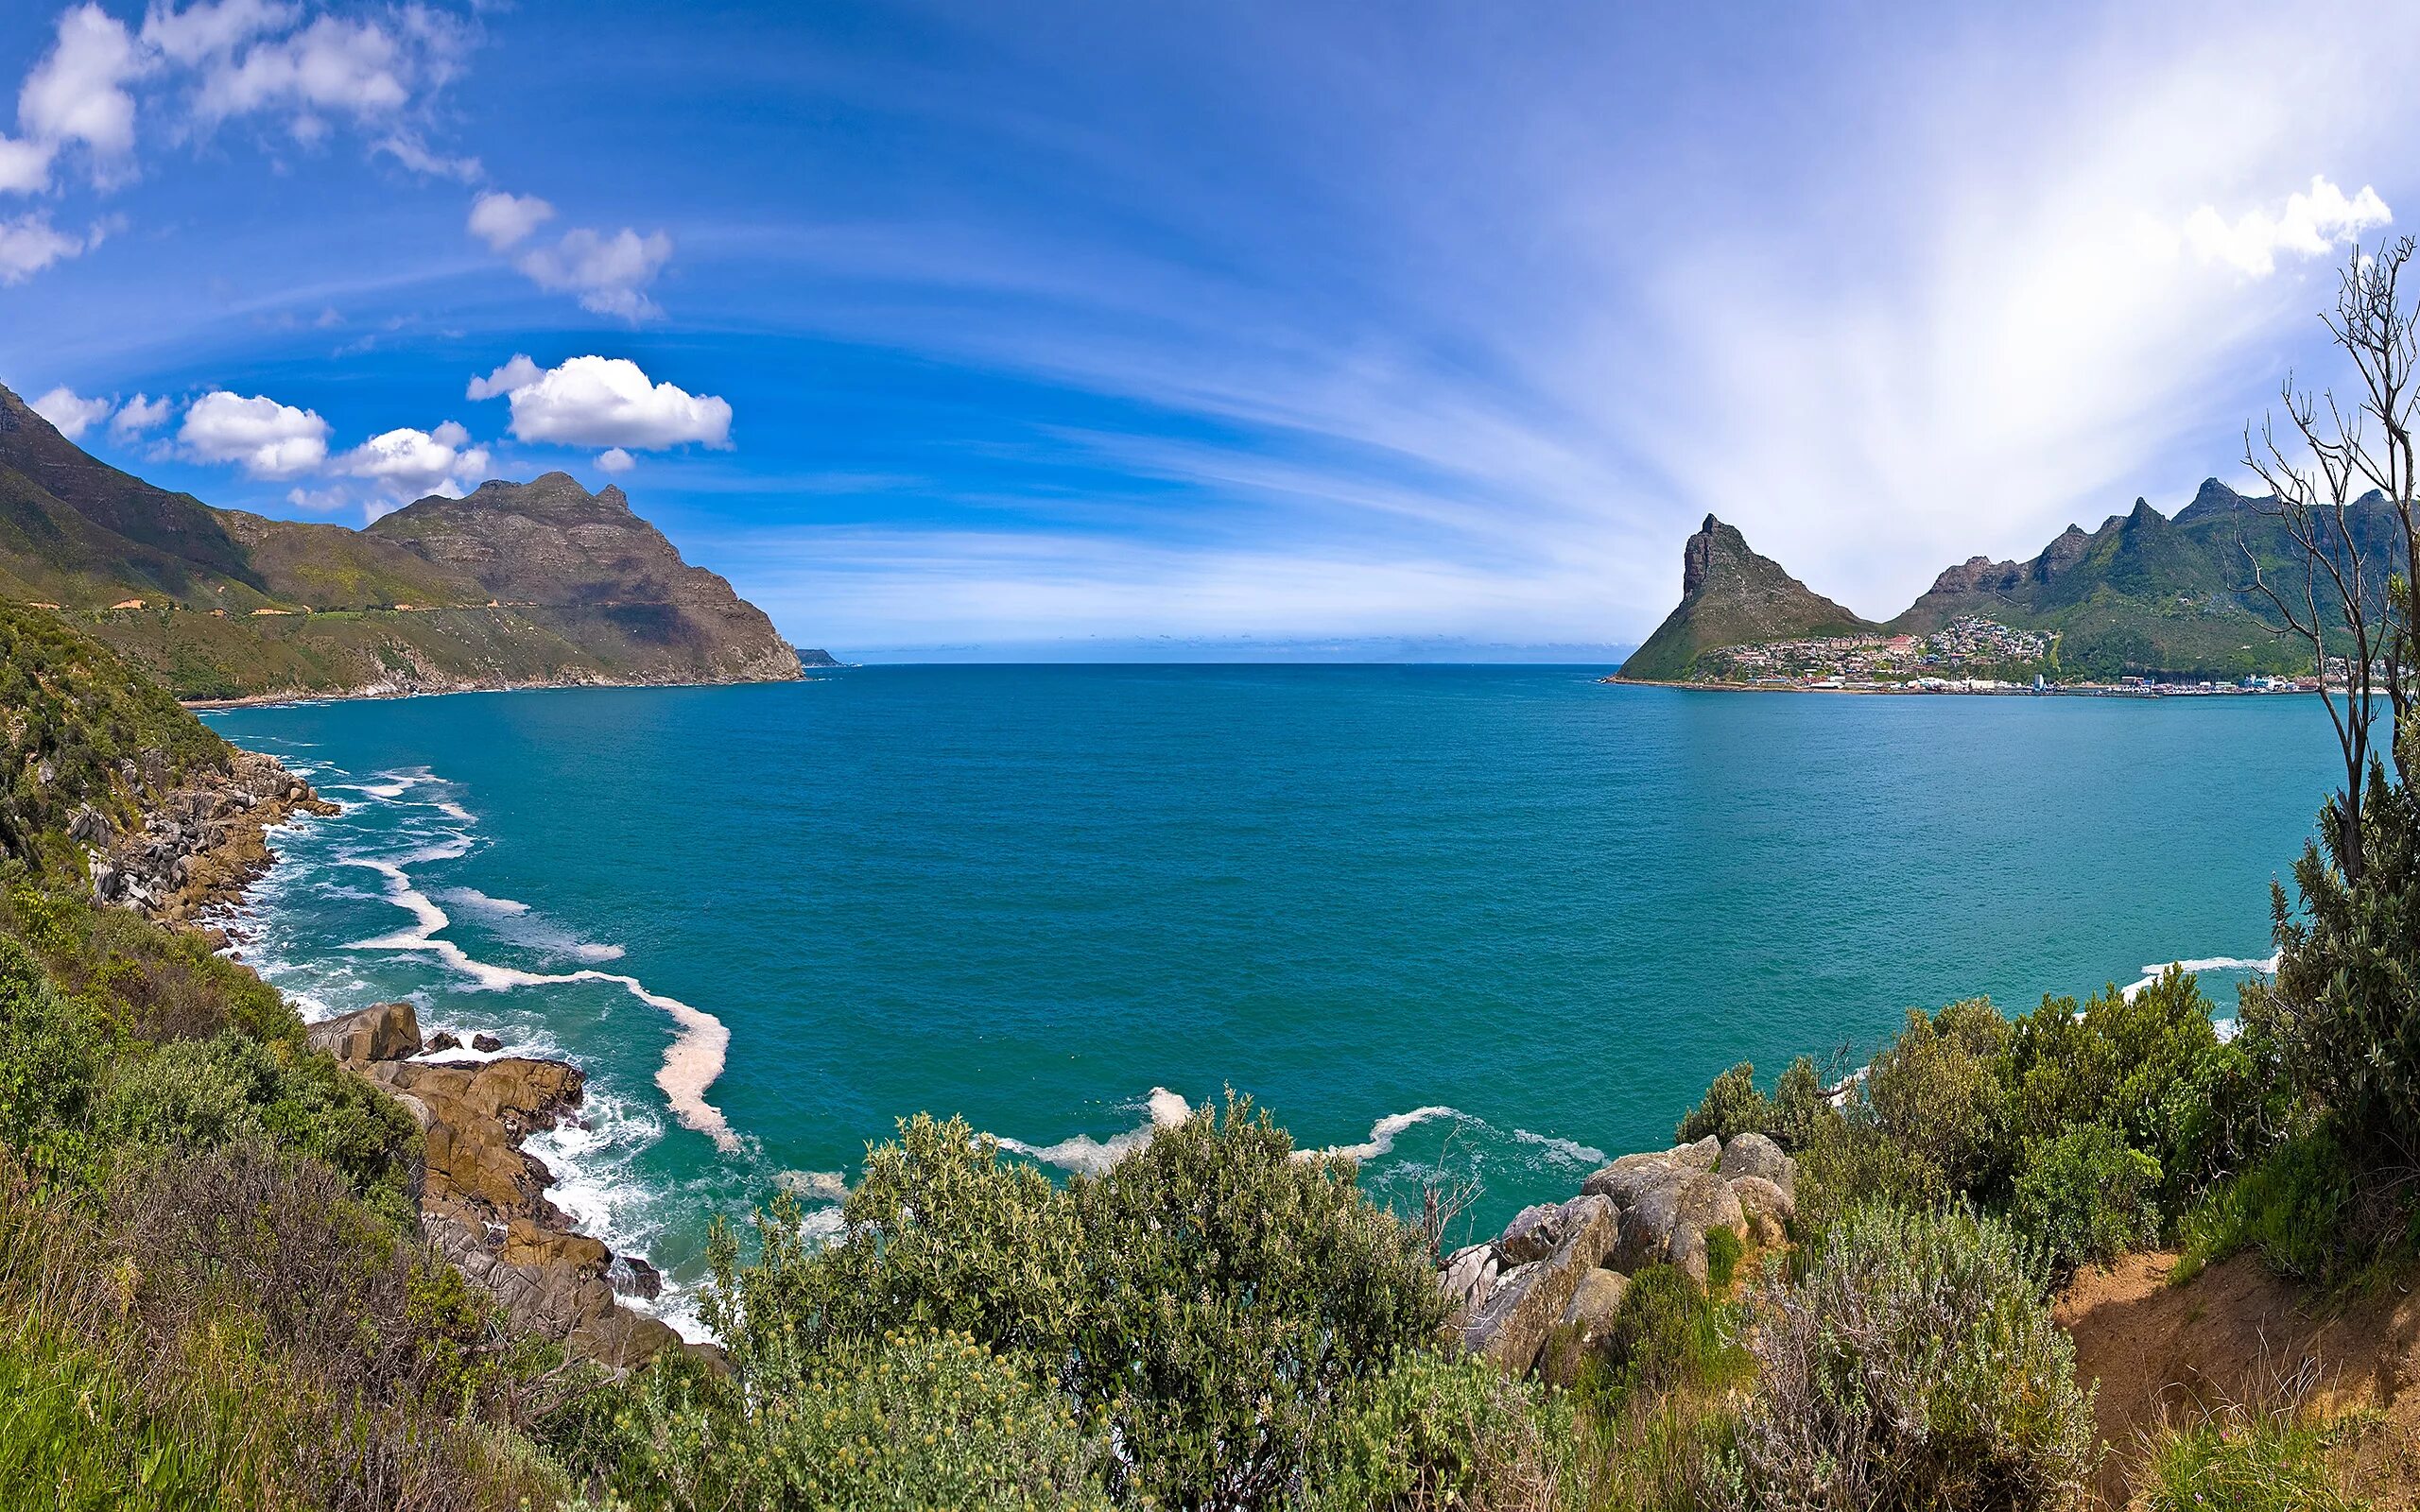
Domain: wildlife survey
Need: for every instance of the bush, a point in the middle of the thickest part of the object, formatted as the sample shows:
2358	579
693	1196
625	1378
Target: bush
1210	1298
1935	1093
2086	1197
903	1423
1793	1118
1442	1430
1913	1366
49	1052
1666	1332
2304	1208
1723	1250
1732	1107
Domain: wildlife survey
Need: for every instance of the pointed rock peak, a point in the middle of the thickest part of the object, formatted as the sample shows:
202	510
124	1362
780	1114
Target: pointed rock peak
2214	491
2143	513
1711	525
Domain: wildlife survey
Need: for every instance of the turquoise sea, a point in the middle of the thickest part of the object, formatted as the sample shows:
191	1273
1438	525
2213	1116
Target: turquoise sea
1507	916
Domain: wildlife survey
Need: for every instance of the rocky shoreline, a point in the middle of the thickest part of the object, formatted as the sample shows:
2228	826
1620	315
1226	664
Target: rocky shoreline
1544	1291
482	1200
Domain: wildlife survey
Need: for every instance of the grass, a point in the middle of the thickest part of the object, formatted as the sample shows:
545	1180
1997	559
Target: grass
2241	1459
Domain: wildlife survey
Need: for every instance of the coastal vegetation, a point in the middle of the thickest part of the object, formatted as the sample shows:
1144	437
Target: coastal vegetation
218	1284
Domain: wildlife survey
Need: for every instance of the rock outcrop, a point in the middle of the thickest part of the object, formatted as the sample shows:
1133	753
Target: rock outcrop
200	843
1732	596
483	1200
1544	1292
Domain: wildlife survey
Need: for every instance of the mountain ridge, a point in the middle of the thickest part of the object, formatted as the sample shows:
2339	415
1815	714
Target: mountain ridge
517	584
1731	595
2144	594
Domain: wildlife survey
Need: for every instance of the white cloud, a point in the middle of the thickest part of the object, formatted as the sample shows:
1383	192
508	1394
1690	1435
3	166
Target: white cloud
325	501
609	273
413	464
71	415
140	416
518	374
205	30
29	243
264	437
505	221
2312	225
25	166
407	148
615	461
78	93
355	67
604	402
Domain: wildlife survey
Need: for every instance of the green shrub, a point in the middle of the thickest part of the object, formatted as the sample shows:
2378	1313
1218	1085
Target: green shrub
2086	1197
1723	1250
1442	1430
2302	1208
2241	1461
50	1051
77	1434
1913	1366
1936	1093
1666	1333
903	1423
1211	1298
1801	1110
1732	1107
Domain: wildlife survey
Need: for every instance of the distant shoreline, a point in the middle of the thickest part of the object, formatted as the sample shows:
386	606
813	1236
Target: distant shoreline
2048	691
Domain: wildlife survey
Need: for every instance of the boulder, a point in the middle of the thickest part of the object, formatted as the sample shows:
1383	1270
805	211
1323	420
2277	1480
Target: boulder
1632	1174
1669	1223
1754	1155
1466	1278
1702	1156
1528	1302
389	1031
442	1040
1532	1234
1598	1299
486	1043
1768	1210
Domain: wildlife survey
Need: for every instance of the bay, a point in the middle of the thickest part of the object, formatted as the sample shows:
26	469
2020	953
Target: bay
1506	918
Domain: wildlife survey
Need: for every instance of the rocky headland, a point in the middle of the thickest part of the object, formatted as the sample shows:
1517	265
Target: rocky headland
482	1200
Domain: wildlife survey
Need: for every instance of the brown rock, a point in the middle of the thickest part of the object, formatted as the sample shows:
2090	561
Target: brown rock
389	1031
1528	1300
1768	1210
1669	1223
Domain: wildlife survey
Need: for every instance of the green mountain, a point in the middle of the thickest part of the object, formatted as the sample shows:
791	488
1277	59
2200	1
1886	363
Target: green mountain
540	582
1732	596
2146	593
2142	594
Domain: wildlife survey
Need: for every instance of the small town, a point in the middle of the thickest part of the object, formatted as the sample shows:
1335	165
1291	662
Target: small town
1968	655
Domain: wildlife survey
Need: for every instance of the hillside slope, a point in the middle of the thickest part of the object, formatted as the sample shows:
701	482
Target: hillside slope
1732	596
520	584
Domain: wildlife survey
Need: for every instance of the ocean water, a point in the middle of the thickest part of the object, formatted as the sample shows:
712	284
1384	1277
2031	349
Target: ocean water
1504	918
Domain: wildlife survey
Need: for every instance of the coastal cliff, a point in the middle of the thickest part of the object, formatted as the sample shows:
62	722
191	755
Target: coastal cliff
516	585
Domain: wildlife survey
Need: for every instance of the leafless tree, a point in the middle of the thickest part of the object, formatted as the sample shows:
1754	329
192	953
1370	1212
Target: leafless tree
2340	592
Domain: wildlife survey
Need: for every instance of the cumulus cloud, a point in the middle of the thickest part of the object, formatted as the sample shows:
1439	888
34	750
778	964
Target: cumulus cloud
413	464
2311	224
408	149
25	166
204	31
78	91
140	416
605	402
70	414
266	439
353	67
616	460
31	243
505	221
609	273
518	374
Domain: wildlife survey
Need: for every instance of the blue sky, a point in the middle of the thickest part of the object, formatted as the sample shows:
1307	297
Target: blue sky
992	325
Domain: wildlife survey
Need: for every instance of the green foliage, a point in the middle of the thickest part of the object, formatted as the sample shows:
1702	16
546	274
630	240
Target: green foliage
79	1436
50	1054
1732	1107
1801	1111
1210	1300
1936	1093
2241	1461
2086	1196
1913	1366
2344	1011
1442	1430
100	730
1723	1250
2304	1208
1666	1333
903	1423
